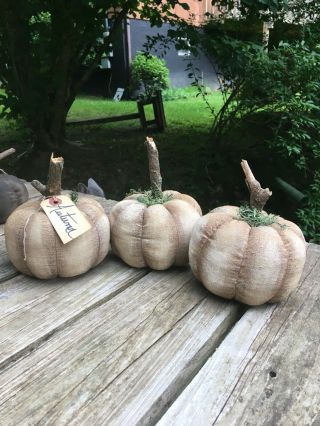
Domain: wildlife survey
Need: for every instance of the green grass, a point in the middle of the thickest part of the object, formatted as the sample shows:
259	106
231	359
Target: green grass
190	111
181	146
114	154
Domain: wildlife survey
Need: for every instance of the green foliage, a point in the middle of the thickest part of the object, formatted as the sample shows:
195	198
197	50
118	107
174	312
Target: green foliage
173	94
284	85
255	217
249	29
278	93
43	45
309	214
150	72
151	197
74	196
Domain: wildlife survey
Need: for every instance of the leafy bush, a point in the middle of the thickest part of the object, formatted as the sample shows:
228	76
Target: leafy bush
277	93
309	214
285	84
149	73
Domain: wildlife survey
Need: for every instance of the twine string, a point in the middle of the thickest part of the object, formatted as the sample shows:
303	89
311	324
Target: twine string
24	238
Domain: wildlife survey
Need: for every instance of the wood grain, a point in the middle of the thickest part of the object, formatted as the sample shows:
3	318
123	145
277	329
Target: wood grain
7	270
122	362
31	309
266	371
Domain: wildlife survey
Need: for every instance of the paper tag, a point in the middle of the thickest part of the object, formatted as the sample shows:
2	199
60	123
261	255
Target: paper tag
65	217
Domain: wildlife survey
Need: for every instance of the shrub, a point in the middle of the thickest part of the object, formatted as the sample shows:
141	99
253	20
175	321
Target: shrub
149	73
309	214
277	93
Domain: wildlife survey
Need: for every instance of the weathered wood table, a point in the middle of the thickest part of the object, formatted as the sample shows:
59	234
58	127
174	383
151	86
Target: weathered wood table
123	346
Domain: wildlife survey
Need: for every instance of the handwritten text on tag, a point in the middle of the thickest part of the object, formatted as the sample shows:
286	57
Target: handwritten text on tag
65	217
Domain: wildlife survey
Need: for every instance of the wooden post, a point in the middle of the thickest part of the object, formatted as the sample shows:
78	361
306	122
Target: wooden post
158	110
161	110
142	115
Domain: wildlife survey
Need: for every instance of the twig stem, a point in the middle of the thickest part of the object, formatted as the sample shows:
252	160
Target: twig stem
154	166
258	196
53	186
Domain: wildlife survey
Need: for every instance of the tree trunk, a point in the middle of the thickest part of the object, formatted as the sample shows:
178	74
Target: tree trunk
49	137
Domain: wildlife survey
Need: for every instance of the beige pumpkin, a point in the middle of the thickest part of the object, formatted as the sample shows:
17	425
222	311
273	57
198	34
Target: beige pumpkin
35	248
252	264
154	235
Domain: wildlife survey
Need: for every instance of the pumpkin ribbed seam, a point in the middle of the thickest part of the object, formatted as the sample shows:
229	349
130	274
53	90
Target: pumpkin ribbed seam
56	251
208	238
24	242
287	253
141	236
177	246
25	237
244	256
99	241
93	223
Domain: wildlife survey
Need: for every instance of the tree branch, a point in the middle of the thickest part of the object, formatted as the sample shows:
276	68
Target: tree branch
6	153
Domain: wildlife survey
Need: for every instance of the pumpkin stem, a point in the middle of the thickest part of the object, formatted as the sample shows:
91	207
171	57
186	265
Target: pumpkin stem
6	153
258	196
154	167
53	186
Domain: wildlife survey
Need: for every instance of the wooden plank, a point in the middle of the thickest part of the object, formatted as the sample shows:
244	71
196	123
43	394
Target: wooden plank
7	270
266	371
125	359
32	309
100	120
144	391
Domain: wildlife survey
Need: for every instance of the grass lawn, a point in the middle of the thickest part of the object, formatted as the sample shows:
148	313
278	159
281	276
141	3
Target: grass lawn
114	154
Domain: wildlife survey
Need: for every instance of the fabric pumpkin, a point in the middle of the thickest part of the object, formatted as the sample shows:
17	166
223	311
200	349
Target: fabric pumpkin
35	248
153	228
252	264
13	192
156	236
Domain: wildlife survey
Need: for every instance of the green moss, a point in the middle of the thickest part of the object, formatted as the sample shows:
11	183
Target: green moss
74	196
149	198
255	217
